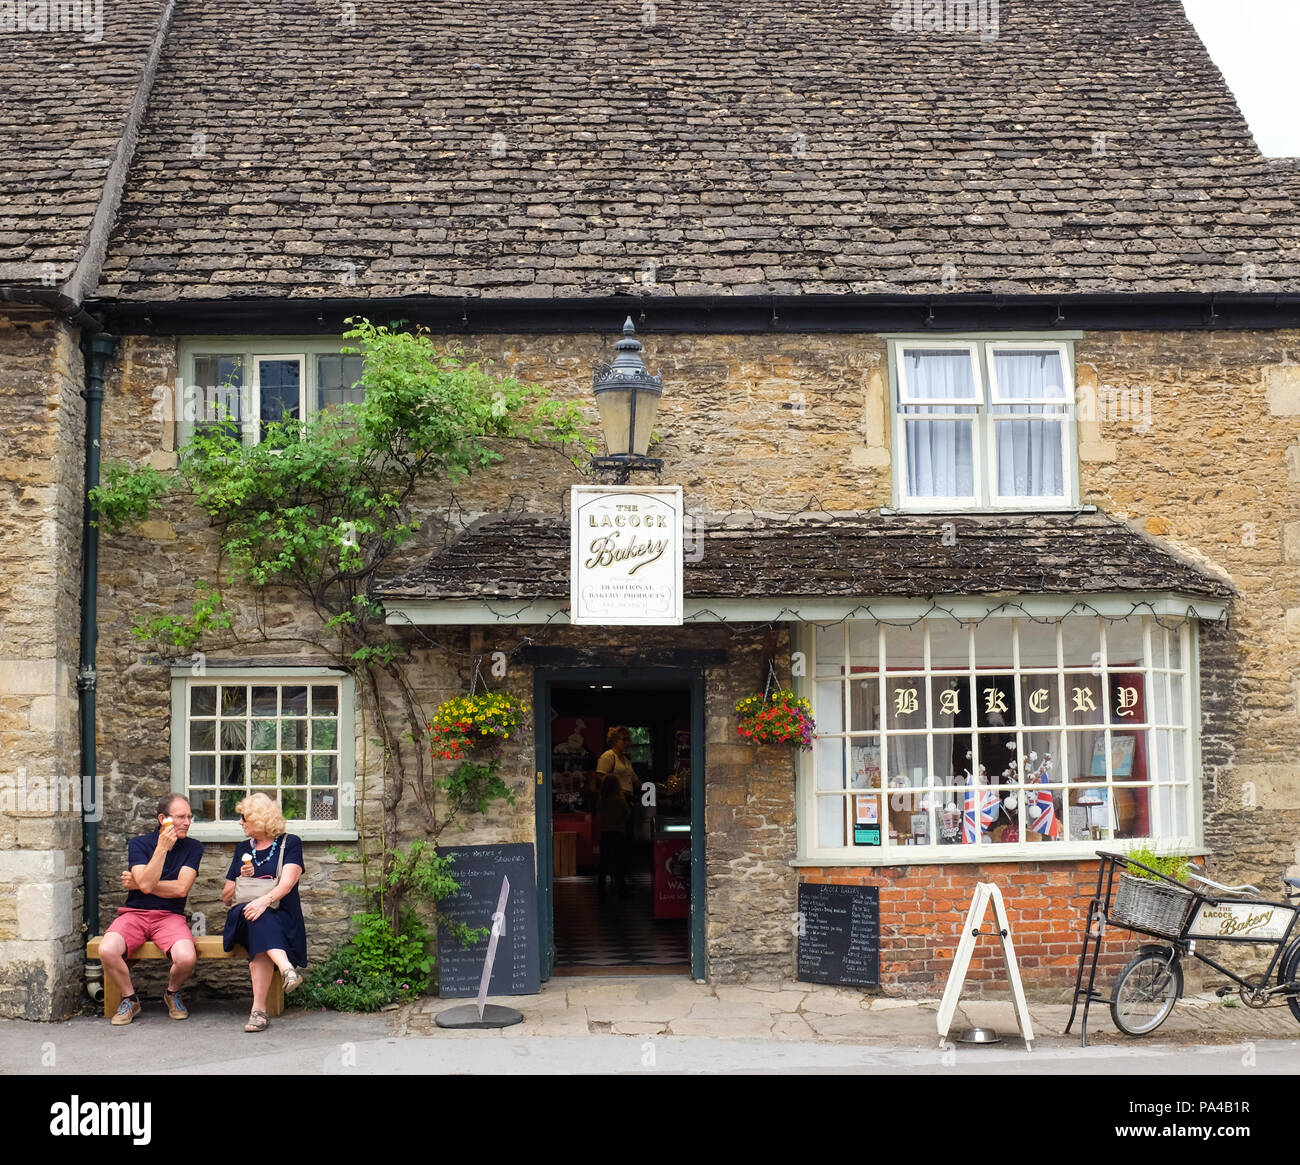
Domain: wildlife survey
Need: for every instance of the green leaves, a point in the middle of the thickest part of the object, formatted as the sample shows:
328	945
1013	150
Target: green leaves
319	505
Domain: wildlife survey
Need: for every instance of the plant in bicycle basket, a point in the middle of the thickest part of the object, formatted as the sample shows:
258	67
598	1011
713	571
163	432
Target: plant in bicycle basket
778	717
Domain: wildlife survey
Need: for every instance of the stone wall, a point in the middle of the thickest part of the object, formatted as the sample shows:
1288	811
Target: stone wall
1192	435
41	468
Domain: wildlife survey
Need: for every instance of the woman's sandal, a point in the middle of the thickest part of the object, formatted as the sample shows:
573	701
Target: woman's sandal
257	1022
292	981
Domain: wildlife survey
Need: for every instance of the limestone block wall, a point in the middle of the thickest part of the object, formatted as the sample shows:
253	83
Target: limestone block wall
41	468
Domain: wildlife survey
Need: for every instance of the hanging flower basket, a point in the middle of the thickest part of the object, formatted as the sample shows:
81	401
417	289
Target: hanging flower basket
466	722
780	717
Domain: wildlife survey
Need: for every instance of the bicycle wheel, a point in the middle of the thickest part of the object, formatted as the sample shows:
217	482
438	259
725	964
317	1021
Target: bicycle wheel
1146	991
1290	974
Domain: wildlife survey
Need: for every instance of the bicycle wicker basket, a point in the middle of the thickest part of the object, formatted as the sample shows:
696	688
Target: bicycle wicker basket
1157	907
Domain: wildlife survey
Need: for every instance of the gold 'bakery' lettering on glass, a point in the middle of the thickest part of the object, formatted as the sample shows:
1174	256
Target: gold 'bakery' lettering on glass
905	702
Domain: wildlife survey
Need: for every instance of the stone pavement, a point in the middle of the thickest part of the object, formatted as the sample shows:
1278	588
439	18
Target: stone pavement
656	1005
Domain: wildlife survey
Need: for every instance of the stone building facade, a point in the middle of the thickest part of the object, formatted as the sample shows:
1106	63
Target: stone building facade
778	245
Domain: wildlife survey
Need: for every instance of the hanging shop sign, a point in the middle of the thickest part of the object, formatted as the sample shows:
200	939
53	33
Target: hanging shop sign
626	555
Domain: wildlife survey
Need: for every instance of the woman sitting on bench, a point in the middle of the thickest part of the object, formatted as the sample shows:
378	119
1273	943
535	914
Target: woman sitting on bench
270	927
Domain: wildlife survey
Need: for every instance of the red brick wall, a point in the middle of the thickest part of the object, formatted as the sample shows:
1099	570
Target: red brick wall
922	909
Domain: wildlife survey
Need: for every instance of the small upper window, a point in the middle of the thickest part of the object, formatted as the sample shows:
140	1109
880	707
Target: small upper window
246	391
984	424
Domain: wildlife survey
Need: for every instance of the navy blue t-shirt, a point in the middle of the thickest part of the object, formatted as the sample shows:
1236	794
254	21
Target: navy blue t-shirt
188	851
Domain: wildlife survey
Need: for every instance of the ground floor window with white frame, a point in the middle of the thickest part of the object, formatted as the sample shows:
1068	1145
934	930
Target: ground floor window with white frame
953	739
288	734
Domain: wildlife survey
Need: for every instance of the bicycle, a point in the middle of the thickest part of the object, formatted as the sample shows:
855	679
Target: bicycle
1151	903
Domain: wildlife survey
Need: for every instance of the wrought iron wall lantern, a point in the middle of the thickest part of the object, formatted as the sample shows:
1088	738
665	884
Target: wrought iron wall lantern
628	399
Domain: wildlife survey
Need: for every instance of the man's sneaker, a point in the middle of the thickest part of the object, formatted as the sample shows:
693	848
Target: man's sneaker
175	1005
127	1010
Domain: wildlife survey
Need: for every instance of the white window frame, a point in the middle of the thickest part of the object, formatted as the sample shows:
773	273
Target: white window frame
811	853
304	349
185	677
984	450
252	426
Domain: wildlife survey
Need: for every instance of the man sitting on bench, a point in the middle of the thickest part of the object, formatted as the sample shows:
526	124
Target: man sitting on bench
163	865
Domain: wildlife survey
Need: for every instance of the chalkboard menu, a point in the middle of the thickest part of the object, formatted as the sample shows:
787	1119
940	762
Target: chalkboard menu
479	870
839	940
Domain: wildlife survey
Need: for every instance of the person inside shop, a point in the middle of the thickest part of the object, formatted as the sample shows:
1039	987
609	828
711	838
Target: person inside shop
613	815
614	760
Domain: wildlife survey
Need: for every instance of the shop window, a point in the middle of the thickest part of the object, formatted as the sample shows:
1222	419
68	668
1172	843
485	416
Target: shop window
983	424
288	735
947	738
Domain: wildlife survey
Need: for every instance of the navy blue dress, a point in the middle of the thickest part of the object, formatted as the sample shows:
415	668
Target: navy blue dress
283	928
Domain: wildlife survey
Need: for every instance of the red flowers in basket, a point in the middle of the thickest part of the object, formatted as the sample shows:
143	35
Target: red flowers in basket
779	717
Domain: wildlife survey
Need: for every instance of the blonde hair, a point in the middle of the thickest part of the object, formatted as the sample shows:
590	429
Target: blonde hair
263	813
614	733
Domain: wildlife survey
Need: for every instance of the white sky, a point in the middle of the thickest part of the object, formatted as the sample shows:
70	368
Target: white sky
1256	44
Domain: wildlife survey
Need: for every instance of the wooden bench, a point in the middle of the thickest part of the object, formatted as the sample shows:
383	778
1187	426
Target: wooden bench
208	947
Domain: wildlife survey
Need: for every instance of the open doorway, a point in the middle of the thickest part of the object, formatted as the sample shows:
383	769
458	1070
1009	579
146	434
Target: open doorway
621	840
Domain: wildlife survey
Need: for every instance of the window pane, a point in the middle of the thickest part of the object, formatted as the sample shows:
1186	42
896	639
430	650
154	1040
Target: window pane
293	804
203	735
829	712
1029	375
830	821
864	771
864	644
1037	643
234	700
294	701
830	650
950	701
949	645
232	770
324	700
324	770
335	377
1124	643
994	643
828	760
1082	642
264	735
324	804
1083	699
325	734
940	459
216	397
1128	704
203	700
204	802
938	374
1030	457
905	648
293	770
865	705
203	770
234	735
293	734
265	701
1040	699
905	703
278	384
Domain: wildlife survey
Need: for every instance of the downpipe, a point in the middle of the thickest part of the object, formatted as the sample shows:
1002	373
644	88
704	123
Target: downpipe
98	349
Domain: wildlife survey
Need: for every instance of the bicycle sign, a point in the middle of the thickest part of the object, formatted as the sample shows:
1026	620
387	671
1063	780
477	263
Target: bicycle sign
1264	923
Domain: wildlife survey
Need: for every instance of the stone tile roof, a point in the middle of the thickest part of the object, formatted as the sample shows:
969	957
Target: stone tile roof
831	555
555	148
64	100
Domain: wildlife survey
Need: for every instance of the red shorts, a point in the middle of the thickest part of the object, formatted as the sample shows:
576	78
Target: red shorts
137	927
